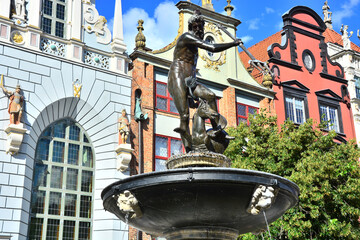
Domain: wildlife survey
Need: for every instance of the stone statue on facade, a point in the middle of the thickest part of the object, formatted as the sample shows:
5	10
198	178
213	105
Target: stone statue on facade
123	127
346	37
19	7
182	82
326	12
16	103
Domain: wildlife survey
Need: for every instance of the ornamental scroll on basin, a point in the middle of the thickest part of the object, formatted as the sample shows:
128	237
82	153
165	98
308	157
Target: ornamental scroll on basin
128	204
263	197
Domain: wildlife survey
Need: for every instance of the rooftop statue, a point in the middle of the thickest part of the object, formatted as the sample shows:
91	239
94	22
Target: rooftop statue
326	12
346	37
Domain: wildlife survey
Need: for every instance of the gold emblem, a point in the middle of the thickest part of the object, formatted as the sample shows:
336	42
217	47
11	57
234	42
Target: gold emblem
18	38
77	88
212	60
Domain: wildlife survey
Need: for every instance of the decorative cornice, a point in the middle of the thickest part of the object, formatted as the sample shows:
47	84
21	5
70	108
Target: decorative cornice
285	64
256	90
334	78
290	84
323	93
150	58
5	18
67	60
182	5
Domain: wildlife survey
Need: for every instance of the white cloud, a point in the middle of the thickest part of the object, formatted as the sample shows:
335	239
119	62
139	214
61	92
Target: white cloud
269	10
159	30
110	25
347	11
246	39
279	25
254	23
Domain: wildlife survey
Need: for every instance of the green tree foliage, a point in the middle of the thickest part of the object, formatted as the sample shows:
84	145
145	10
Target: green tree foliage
327	173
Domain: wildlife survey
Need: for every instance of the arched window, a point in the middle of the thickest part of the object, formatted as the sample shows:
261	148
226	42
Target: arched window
62	191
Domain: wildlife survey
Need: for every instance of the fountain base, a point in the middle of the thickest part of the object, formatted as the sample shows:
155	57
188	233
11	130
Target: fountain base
197	203
202	233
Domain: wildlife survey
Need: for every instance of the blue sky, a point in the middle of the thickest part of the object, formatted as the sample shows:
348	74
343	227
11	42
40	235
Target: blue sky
259	20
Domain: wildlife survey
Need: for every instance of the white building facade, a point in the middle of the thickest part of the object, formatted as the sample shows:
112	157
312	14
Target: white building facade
73	77
349	59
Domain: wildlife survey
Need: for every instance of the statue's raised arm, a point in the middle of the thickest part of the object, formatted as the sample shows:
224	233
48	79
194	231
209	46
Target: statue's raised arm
16	102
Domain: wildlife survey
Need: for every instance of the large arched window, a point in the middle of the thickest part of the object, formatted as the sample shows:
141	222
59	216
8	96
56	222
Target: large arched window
62	192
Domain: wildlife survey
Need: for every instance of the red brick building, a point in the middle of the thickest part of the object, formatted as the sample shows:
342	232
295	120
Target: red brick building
307	83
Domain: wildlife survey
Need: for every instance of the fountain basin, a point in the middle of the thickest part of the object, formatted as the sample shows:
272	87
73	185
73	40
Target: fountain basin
200	203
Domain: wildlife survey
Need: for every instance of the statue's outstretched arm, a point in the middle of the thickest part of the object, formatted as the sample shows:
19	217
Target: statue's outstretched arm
3	88
218	47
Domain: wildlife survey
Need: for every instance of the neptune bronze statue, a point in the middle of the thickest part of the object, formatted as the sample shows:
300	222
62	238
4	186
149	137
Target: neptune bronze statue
182	83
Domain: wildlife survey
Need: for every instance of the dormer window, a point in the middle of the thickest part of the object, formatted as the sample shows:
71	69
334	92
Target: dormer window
54	17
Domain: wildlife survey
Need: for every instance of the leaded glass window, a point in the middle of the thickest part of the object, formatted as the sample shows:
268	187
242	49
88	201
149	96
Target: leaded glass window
164	101
357	86
295	109
54	17
329	115
165	147
243	111
62	192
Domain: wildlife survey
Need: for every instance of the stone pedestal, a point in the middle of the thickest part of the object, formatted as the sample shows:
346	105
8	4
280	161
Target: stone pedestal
123	157
15	135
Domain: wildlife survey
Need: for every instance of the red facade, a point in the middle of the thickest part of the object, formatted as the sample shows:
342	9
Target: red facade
307	83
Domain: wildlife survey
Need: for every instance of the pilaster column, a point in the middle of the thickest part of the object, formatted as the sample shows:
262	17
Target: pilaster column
34	13
34	21
76	19
5	8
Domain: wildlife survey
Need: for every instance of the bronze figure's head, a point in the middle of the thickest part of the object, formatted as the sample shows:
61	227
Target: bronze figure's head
196	24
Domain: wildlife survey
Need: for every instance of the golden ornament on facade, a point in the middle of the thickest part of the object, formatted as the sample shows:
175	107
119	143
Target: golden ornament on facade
18	38
218	59
180	32
140	39
267	81
77	88
228	9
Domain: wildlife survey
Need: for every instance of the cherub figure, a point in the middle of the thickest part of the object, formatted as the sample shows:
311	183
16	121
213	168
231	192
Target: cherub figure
123	127
16	103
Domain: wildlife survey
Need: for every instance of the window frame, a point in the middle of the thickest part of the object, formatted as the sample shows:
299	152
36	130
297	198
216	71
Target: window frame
64	190
325	101
53	17
247	112
167	97
296	93
357	86
169	138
